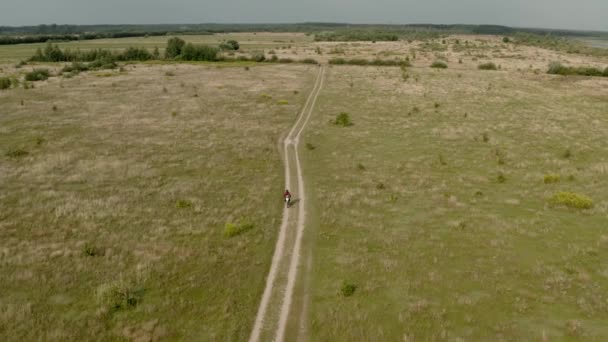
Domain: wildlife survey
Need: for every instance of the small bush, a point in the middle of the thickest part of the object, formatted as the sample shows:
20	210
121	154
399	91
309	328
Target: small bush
5	83
348	289
37	75
90	250
485	137
506	40
17	153
487	66
232	229
572	200
343	119
360	167
549	179
439	65
309	61
282	102
567	154
556	68
183	204
169	73
310	146
501	178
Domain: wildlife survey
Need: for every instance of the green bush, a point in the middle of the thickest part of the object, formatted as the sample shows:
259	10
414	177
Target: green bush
556	68
232	229
501	178
193	52
309	61
183	204
174	47
347	289
549	179
16	153
439	65
232	45
375	62
487	66
37	75
572	200
343	119
5	83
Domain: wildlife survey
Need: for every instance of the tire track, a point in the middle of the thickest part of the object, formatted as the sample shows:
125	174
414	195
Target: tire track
292	139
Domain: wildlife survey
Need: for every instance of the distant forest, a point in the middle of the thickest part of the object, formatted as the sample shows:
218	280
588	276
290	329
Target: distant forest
322	31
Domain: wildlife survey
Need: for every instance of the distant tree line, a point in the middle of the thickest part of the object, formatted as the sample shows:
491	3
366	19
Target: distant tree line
11	40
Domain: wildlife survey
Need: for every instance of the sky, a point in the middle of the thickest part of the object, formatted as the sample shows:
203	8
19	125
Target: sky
564	14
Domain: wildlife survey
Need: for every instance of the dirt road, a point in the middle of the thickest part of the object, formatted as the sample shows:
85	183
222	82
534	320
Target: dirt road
273	312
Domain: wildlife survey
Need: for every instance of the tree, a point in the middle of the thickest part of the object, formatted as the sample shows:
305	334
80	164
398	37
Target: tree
174	47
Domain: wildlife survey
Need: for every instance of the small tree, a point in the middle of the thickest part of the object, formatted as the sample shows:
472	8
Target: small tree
174	47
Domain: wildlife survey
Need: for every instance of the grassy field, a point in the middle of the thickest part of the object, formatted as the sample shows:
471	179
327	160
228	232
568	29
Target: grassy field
434	205
434	211
112	224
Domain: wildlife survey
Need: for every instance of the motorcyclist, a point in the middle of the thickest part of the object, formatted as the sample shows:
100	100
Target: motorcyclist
287	196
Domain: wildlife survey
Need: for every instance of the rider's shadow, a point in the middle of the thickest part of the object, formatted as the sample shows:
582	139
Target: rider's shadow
294	202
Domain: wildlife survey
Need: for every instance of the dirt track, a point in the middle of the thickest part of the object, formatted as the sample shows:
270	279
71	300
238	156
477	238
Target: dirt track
278	294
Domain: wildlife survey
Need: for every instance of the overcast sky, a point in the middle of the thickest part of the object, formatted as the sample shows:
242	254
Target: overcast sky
571	14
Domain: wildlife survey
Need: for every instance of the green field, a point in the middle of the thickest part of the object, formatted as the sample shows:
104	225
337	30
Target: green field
113	223
414	211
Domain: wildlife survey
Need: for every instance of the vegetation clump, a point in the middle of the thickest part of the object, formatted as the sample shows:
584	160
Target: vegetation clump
348	289
37	75
116	296
232	45
439	65
557	68
183	204
549	179
375	62
572	200
233	229
17	153
487	66
343	119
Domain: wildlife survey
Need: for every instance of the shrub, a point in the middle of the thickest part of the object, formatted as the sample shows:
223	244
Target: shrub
232	229
347	289
501	178
310	146
282	102
230	45
192	52
343	119
37	75
556	68
487	66
174	47
135	54
183	204
75	68
567	154
91	250
5	83
439	65
549	179
258	57
309	61
360	167
572	200
506	40
16	153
